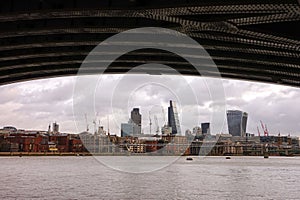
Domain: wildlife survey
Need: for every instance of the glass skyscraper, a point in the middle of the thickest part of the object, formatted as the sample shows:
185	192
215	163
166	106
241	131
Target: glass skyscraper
237	122
205	127
173	120
129	129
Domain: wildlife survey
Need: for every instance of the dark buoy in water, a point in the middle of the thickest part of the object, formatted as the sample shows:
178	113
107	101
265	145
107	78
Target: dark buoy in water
189	158
266	156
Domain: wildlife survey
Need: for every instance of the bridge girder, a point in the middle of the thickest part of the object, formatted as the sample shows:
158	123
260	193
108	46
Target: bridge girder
248	40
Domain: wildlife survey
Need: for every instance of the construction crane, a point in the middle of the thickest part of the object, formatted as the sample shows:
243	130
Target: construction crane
95	126
156	124
164	117
108	125
86	122
150	123
258	131
265	130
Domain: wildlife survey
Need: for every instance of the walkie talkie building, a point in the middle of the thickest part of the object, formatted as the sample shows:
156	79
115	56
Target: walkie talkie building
237	122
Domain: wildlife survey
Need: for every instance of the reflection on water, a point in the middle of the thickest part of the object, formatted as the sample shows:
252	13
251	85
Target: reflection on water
202	178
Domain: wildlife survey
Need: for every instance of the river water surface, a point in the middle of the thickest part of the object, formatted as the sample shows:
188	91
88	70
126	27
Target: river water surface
202	178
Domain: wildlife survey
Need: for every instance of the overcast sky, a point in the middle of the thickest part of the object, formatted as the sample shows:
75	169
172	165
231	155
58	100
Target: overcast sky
34	104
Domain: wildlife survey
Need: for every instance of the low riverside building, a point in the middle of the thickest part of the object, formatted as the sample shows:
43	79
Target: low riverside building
151	144
52	147
174	145
61	141
97	143
14	140
25	142
75	144
5	145
137	148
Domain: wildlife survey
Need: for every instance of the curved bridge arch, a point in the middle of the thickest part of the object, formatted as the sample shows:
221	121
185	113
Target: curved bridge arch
248	40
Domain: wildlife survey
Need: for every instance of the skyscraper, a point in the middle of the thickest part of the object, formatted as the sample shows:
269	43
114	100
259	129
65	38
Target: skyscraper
129	129
136	118
173	120
205	127
237	122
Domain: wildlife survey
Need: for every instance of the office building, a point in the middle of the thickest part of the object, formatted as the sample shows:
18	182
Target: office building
237	122
173	119
130	129
205	127
136	118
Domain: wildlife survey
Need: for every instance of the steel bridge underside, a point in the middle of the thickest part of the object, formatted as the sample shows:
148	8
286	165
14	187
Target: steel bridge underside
248	40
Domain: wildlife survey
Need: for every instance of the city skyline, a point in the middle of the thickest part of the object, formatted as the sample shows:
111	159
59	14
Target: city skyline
27	104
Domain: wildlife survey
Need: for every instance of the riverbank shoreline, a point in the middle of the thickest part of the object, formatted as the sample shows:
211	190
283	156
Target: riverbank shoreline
37	154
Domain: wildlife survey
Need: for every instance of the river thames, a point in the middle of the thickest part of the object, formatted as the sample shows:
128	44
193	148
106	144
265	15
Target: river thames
202	178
